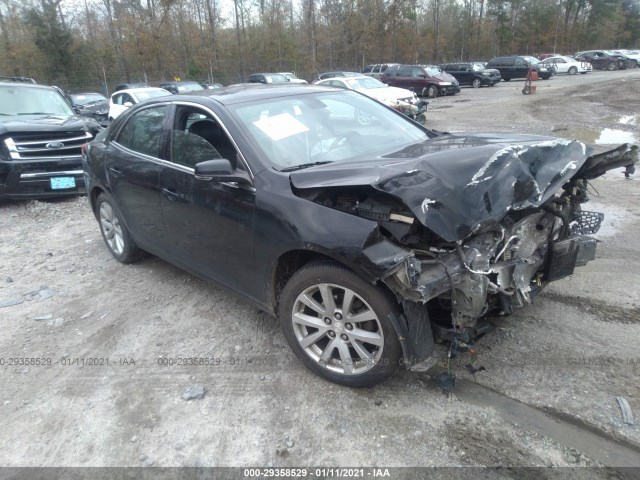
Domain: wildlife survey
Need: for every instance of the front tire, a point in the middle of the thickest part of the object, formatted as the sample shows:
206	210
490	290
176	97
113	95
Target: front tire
432	91
477	83
338	325
573	71
114	231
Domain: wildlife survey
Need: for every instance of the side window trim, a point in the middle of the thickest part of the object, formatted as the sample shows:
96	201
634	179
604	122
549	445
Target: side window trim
210	112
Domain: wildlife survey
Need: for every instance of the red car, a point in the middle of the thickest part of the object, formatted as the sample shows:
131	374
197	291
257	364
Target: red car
542	56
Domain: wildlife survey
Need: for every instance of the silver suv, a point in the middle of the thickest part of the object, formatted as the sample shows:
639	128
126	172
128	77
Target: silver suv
377	69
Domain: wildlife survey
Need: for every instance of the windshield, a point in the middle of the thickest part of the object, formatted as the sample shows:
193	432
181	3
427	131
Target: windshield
299	130
531	60
476	67
290	76
86	98
32	101
188	87
433	70
366	83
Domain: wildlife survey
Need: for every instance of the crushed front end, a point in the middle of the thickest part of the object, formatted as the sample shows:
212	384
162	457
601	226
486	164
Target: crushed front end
456	245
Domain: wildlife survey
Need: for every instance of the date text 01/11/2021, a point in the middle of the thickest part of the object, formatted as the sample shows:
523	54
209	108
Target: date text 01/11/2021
329	472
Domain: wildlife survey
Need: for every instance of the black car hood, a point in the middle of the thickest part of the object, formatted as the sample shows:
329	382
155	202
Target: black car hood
45	123
456	185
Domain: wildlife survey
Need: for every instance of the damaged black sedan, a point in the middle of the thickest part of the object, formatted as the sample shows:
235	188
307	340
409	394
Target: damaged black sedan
371	238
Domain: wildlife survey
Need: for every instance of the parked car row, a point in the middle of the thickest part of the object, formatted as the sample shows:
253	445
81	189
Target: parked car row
445	79
607	59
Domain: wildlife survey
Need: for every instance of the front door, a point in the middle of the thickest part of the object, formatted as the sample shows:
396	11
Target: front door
210	224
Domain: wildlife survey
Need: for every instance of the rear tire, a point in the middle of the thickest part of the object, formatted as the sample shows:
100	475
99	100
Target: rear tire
338	325
612	66
114	232
477	83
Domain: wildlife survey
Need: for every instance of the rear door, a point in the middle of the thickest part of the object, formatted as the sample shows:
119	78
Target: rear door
403	78
461	72
133	170
521	68
210	225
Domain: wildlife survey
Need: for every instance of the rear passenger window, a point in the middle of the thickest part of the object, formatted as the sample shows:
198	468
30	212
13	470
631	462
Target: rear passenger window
405	71
143	131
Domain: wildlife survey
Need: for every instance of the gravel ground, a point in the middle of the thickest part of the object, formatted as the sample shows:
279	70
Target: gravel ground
107	398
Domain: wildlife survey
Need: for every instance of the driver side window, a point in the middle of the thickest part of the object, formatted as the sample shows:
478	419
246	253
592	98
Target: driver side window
197	137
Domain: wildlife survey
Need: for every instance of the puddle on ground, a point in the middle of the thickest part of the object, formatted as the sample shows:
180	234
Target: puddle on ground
611	136
629	120
606	136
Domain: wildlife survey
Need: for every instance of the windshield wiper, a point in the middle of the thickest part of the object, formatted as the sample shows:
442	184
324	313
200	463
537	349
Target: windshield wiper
305	165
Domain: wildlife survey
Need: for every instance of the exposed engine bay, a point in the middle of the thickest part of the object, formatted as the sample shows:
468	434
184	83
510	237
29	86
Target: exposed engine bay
448	275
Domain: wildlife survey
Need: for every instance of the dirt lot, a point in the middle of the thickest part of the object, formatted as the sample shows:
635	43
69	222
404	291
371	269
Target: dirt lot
570	354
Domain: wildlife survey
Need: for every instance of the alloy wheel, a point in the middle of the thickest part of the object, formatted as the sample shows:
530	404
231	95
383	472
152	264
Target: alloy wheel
337	328
111	228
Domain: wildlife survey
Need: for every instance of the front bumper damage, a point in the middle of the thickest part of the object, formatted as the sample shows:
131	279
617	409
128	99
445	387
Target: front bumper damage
494	272
494	248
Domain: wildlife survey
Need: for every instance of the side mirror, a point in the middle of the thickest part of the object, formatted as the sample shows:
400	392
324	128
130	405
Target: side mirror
214	168
220	170
127	104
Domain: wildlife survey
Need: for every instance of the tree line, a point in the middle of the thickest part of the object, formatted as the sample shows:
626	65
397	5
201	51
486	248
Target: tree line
98	43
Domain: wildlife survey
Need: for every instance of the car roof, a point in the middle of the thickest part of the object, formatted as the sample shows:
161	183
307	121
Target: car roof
342	72
14	79
140	89
27	85
352	77
180	83
250	92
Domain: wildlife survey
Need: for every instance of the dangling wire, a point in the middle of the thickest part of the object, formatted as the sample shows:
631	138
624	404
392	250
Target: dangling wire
595	191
